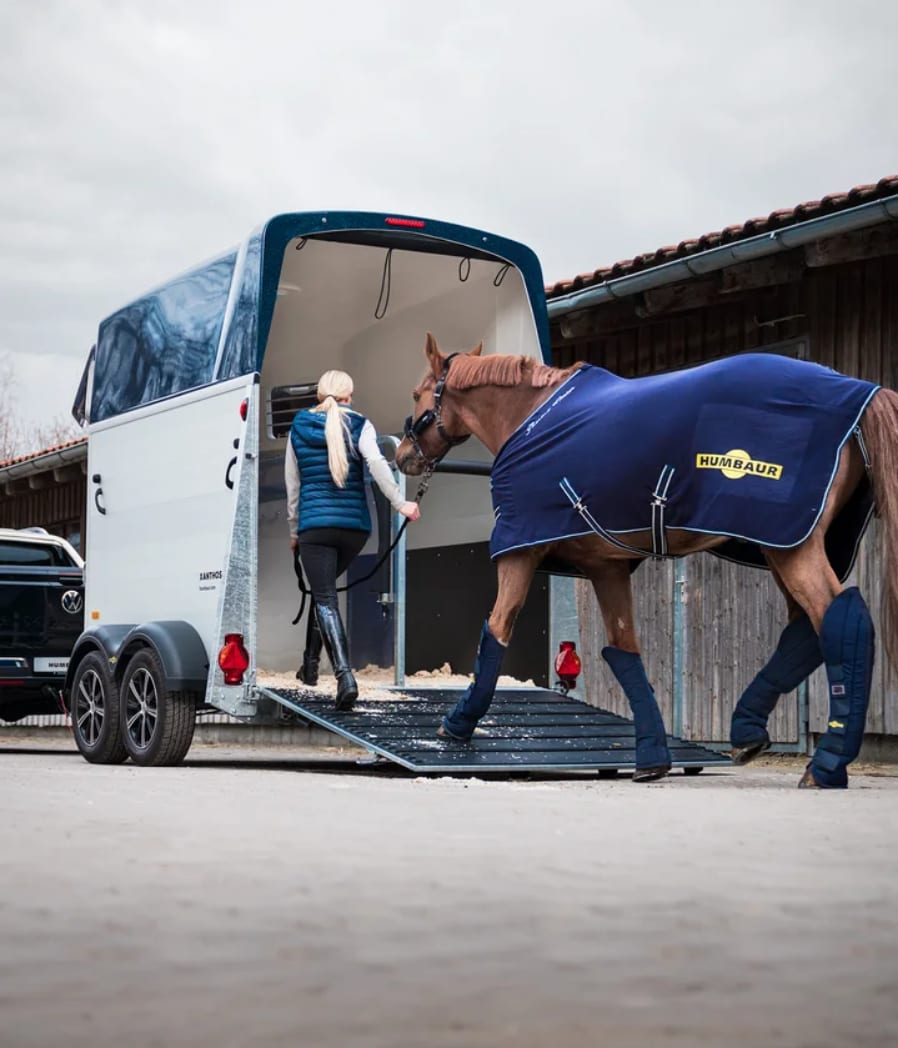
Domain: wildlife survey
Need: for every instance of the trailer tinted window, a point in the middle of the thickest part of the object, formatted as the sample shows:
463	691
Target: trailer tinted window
241	342
163	343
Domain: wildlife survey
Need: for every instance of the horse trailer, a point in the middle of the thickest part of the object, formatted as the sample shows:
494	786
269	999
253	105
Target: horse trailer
188	397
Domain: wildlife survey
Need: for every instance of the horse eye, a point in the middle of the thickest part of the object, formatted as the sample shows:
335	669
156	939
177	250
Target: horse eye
416	396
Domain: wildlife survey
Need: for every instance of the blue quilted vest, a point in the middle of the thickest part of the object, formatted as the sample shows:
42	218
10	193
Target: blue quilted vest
321	503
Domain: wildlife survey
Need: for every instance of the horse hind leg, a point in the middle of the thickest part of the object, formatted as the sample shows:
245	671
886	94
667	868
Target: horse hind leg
796	657
847	644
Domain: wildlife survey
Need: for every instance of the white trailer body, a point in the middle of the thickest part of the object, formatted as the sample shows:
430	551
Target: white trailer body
188	397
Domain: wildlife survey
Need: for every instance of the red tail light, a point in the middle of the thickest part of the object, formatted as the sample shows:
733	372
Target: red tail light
233	658
410	223
244	408
567	665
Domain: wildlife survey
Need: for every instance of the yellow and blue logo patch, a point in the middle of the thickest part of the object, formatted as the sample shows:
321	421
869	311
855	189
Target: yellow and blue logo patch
737	464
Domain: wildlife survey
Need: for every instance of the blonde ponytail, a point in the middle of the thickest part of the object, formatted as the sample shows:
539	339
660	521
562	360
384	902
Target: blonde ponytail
332	385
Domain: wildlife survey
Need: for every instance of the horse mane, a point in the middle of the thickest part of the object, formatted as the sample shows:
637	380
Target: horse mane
467	372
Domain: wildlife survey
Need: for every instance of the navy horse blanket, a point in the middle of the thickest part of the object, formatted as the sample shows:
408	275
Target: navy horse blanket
745	447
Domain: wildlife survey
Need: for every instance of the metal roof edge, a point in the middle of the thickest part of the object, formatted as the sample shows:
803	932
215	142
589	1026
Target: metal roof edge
40	463
872	213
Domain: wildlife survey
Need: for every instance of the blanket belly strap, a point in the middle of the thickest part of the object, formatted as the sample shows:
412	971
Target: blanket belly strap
658	503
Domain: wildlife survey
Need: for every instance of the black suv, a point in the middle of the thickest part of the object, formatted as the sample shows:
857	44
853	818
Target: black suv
41	617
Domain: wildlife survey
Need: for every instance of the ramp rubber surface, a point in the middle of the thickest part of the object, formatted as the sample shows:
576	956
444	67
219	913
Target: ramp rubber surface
525	729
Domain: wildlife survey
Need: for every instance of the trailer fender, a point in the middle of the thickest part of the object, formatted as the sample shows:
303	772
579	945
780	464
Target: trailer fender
180	649
107	640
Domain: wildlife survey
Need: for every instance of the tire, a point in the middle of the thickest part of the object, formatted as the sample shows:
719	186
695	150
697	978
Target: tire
94	707
156	723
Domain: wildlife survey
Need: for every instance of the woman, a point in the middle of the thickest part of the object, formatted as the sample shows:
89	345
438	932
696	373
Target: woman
326	449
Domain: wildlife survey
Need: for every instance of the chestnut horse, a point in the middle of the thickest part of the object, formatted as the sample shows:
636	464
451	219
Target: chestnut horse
490	397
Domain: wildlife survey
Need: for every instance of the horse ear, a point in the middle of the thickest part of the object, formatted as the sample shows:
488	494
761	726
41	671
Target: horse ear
434	357
477	350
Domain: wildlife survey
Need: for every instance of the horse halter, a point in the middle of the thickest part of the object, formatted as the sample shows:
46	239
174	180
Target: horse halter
414	427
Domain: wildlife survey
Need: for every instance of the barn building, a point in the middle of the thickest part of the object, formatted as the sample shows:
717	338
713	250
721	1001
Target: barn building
47	489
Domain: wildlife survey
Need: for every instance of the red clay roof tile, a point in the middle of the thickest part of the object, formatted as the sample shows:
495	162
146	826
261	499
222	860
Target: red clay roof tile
751	227
43	451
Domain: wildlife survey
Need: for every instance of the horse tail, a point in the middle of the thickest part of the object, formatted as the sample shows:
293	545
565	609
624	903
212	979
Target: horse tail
879	428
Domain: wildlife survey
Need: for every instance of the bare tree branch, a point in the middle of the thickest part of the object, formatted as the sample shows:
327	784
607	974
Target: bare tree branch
10	431
16	438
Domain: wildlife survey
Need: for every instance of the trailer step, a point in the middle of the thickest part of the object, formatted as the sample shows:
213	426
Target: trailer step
526	729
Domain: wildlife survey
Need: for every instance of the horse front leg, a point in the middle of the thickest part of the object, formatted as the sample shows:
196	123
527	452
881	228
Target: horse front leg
611	583
515	573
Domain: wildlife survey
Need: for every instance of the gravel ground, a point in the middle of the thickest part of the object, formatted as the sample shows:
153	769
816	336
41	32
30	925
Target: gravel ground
253	897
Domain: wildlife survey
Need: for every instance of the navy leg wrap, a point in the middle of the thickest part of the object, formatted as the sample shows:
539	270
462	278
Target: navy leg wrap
462	721
848	642
651	738
796	657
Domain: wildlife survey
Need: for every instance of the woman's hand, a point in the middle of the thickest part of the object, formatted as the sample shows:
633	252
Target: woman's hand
410	509
294	542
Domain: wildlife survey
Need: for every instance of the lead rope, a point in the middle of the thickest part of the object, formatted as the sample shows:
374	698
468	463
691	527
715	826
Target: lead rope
297	566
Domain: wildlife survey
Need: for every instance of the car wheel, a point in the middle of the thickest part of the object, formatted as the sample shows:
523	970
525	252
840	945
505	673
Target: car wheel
94	701
157	723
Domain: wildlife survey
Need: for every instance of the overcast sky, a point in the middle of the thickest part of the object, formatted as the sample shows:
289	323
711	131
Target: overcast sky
139	138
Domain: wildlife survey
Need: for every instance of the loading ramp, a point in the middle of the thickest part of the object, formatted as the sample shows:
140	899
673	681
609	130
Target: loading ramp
526	729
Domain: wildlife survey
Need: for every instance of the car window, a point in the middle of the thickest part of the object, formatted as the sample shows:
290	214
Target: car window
31	554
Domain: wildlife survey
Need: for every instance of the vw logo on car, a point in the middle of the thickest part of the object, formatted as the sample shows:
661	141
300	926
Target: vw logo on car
72	602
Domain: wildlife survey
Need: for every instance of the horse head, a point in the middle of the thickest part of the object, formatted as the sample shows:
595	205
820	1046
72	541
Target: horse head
433	427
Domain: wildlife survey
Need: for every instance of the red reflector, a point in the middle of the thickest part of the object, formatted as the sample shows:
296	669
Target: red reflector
567	664
412	223
11	683
244	407
233	658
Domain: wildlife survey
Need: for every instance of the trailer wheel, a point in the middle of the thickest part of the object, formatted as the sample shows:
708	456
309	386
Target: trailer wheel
157	723
95	712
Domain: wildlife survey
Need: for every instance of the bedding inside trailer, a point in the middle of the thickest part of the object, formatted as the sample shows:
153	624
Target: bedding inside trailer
365	308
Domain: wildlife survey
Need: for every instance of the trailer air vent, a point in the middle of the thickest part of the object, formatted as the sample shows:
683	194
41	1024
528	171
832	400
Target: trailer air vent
284	402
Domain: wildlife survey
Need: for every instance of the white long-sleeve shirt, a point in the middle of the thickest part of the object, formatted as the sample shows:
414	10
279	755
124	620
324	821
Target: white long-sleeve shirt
370	452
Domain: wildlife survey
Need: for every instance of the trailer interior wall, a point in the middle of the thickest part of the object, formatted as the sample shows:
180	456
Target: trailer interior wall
325	318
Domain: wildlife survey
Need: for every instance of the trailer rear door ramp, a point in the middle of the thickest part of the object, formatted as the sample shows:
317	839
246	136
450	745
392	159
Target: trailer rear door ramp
526	729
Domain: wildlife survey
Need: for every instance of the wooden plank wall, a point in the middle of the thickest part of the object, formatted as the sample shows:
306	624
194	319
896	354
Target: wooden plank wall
46	507
733	616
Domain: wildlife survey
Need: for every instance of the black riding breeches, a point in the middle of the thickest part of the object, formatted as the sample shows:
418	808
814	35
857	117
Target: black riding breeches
325	554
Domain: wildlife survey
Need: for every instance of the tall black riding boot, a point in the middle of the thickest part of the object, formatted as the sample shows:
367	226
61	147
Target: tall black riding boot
308	672
335	641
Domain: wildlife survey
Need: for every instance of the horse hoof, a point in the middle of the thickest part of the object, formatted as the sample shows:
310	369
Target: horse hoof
744	754
651	774
807	781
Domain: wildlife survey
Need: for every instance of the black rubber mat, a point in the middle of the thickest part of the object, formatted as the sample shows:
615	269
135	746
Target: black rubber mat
526	728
